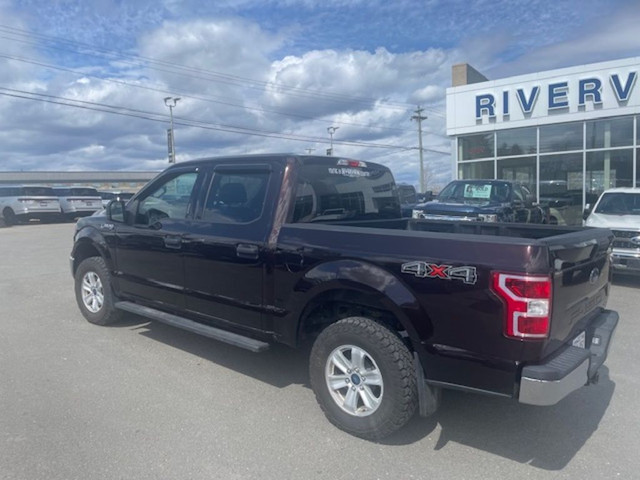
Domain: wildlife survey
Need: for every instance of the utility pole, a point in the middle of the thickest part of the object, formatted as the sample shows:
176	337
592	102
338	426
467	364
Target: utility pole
171	102
419	117
331	131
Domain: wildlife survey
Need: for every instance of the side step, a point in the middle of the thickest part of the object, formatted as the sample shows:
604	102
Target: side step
195	327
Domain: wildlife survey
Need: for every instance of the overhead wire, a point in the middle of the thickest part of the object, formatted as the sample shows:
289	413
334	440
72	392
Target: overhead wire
236	80
152	116
217	76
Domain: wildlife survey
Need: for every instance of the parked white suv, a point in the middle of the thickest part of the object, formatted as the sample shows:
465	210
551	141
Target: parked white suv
78	201
619	210
19	203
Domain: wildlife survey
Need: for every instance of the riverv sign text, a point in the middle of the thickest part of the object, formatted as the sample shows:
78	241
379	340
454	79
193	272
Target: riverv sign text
559	95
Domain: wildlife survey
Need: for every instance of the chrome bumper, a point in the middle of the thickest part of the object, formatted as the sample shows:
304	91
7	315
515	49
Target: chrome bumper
574	367
622	261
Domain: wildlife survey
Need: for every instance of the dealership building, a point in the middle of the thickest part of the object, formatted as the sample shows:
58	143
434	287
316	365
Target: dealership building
568	133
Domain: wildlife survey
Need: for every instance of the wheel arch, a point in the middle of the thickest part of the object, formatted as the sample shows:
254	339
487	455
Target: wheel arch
343	288
89	243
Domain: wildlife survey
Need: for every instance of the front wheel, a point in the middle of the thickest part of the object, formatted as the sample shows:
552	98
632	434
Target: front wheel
362	376
93	292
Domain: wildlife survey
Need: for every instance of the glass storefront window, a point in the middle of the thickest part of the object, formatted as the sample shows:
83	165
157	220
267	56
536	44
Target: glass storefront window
609	169
471	147
561	187
519	141
610	132
476	170
561	138
522	169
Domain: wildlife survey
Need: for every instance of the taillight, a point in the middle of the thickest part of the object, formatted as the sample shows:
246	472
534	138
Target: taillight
528	302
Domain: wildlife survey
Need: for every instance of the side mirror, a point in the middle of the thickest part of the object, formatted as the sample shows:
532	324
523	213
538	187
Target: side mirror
115	211
587	211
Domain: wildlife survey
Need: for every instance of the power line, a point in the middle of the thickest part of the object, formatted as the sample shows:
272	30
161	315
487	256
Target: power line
209	99
152	116
177	68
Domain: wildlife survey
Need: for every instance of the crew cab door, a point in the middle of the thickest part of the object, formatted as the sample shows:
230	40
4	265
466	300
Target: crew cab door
149	246
225	247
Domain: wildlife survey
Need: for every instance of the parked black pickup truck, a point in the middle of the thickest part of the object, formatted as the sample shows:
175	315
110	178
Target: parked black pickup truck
483	201
309	250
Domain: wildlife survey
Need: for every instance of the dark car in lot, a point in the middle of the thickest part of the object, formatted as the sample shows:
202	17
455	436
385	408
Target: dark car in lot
483	201
311	251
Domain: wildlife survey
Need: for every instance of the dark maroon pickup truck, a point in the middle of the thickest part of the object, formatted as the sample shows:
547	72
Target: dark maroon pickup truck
308	250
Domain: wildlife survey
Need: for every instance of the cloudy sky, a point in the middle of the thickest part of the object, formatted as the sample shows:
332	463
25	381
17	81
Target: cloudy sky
82	82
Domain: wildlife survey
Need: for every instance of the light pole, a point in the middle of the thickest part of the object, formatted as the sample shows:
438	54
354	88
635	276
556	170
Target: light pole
419	118
331	131
171	102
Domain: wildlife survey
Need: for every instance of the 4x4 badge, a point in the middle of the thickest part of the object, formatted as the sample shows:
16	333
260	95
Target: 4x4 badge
465	274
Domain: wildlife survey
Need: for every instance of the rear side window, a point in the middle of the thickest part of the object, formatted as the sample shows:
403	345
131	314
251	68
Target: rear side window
236	197
350	190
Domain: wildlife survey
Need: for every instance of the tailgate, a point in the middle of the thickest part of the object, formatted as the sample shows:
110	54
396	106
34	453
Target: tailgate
581	278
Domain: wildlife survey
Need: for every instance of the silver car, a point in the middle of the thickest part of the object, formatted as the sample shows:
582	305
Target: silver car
78	201
21	203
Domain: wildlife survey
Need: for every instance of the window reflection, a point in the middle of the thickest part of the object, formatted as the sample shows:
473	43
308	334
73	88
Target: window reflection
609	169
520	169
561	138
519	141
476	170
475	146
561	187
610	132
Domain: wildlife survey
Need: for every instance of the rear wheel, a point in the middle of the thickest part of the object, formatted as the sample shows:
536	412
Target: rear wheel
93	292
9	216
362	376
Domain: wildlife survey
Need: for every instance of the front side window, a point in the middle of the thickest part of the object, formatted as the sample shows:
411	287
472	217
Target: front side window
170	199
236	197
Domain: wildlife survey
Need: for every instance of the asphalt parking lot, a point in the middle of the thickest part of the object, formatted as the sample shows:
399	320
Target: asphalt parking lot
142	400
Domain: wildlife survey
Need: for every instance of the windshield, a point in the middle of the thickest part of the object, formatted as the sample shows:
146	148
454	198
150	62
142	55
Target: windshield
475	192
618	203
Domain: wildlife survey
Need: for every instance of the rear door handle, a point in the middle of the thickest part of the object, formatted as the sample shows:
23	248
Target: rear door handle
244	250
173	241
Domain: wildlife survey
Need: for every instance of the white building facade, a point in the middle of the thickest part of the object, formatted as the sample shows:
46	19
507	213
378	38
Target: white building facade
569	133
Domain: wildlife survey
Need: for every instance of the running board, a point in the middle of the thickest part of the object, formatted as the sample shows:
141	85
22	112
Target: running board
195	327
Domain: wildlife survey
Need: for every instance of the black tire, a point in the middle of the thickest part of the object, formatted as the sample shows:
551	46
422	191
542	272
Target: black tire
9	217
93	292
391	404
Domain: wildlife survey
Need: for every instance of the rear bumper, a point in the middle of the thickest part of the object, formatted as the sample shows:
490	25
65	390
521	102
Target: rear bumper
625	262
574	367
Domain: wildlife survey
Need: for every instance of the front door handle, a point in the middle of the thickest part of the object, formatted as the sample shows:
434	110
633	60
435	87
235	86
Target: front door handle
173	241
245	250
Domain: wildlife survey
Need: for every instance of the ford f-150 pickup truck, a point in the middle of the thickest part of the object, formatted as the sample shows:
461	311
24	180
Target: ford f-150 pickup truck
312	251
